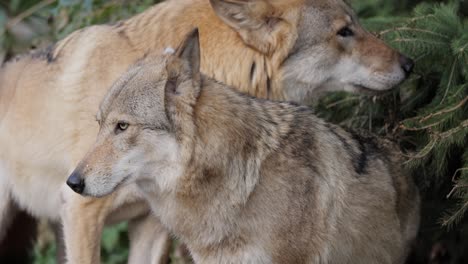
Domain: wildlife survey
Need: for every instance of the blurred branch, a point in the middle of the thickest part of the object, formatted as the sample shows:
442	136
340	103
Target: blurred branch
419	40
13	22
456	172
384	32
420	128
454	217
347	99
457	186
423	153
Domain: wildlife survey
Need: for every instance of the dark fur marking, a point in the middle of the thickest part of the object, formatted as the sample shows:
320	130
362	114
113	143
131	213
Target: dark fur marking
343	140
368	147
209	175
359	159
304	110
43	54
249	150
252	71
295	104
300	143
268	87
361	163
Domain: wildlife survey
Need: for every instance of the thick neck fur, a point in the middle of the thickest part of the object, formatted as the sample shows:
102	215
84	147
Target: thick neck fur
250	70
234	134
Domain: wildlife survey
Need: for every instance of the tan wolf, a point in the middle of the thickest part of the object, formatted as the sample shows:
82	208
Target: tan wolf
276	49
245	180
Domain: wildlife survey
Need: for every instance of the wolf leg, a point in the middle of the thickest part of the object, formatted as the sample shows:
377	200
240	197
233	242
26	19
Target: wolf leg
83	220
150	242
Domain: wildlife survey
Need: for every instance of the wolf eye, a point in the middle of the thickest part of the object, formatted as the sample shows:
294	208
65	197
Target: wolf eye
345	32
121	126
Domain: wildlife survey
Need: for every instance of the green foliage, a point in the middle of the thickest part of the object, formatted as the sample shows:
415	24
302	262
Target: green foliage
32	23
73	14
20	23
115	244
44	256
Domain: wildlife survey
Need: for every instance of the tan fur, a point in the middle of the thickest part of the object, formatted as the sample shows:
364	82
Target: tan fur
244	180
278	50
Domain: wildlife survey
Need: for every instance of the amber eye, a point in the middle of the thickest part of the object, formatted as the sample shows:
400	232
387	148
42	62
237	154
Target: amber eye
345	32
121	126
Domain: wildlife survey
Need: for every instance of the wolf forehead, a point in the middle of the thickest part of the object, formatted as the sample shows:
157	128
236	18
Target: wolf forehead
139	92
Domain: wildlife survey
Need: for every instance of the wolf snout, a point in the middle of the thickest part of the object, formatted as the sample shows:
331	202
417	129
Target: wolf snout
76	182
407	64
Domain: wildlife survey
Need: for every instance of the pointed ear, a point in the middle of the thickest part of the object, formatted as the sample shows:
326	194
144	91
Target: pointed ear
187	54
189	51
241	14
257	22
183	83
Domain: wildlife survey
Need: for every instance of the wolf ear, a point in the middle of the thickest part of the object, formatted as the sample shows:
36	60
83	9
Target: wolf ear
189	51
255	21
188	54
182	92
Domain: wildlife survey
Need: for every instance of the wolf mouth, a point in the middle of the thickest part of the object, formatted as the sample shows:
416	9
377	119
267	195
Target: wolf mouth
123	182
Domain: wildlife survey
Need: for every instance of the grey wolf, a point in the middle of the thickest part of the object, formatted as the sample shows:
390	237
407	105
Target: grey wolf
245	180
281	50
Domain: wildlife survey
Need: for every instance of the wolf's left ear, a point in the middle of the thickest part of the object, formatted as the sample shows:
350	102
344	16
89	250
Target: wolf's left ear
182	91
259	23
189	51
188	54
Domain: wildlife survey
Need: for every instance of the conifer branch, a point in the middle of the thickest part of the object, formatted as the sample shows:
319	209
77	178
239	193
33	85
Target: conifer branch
455	216
399	29
445	111
452	71
442	112
420	128
420	40
452	131
456	172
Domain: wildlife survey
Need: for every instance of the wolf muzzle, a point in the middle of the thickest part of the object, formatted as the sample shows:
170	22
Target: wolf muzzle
76	182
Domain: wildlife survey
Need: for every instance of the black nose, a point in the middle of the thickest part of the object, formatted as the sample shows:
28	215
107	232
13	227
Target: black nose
76	182
407	64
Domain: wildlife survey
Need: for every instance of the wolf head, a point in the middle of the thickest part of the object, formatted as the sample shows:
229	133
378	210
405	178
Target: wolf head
145	125
321	44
